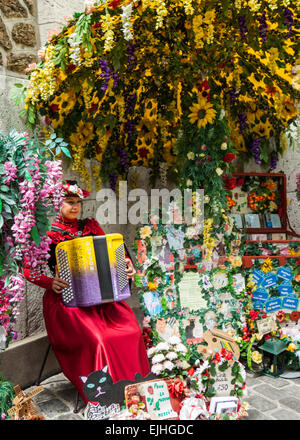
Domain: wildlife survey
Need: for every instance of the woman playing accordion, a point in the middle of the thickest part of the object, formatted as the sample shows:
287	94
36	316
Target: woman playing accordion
86	339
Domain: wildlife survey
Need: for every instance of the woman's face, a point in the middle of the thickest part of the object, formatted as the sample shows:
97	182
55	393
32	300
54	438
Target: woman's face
71	207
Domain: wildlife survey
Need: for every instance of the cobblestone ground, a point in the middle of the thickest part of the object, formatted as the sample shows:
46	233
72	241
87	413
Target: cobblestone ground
269	399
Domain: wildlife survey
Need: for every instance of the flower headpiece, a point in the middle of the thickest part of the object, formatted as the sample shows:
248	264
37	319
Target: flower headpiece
73	190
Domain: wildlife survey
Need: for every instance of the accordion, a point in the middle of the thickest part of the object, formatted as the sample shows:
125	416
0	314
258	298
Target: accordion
94	268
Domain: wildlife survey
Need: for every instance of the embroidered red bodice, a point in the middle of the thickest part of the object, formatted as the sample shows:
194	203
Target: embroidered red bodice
91	227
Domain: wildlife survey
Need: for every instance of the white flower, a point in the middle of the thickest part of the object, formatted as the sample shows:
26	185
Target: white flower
189	182
174	340
171	356
162	346
158	358
126	23
224	146
191	155
219	171
181	348
151	351
184	364
168	365
157	369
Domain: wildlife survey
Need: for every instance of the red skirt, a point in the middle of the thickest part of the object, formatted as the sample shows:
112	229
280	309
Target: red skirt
86	339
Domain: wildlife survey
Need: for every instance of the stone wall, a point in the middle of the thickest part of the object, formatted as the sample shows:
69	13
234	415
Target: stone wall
24	27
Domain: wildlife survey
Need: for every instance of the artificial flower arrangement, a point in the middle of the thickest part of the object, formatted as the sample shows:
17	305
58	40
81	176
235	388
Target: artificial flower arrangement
280	299
98	83
31	190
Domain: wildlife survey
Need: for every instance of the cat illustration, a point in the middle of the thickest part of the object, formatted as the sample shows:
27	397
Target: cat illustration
99	387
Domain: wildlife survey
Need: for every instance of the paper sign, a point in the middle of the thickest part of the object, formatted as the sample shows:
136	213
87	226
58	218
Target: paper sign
269	281
258	304
266	325
260	294
158	403
290	303
273	304
285	289
285	273
257	276
223	385
190	292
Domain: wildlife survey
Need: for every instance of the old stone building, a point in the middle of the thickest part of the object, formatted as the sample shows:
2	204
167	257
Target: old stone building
24	27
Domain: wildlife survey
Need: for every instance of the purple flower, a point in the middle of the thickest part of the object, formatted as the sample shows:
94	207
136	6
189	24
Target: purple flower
263	27
274	160
243	28
288	20
123	159
130	55
233	93
112	181
131	104
256	151
106	74
129	127
242	121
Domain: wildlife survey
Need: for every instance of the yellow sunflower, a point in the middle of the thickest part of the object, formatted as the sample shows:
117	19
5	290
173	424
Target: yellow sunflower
202	112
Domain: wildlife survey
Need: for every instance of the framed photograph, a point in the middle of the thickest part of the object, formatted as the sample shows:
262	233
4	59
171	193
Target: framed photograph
226	407
272	220
252	221
229	402
238	220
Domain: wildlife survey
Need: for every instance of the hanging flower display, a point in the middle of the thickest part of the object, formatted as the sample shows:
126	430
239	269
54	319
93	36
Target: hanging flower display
31	189
99	85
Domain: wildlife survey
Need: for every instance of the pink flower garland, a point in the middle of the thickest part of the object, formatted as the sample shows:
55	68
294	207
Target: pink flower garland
41	186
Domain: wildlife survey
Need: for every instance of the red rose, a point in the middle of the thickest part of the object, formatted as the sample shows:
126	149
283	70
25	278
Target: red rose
191	371
240	181
230	183
229	157
229	356
267	337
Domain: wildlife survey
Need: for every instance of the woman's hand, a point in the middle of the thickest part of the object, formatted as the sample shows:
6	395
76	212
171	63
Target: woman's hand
130	269
58	284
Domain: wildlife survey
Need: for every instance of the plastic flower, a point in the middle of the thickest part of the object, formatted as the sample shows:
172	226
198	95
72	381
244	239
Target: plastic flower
145	232
256	357
158	358
152	286
174	340
157	369
292	347
202	113
171	356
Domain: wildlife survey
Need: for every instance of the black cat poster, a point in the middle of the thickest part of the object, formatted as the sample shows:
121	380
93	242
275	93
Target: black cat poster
99	387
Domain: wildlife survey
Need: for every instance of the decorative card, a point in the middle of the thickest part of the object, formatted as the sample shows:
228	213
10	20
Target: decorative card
152	301
190	292
167	327
170	296
175	237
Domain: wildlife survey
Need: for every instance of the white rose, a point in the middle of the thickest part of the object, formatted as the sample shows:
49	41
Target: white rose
157	369
174	340
171	356
162	346
224	146
168	365
151	351
158	358
191	155
181	348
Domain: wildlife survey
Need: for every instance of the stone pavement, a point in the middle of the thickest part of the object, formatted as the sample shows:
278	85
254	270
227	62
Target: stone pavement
268	398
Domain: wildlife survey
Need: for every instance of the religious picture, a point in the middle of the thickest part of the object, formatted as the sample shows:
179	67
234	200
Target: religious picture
171	297
210	319
167	327
152	302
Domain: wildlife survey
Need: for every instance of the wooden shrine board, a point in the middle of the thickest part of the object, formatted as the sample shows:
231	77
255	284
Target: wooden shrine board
216	340
156	398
